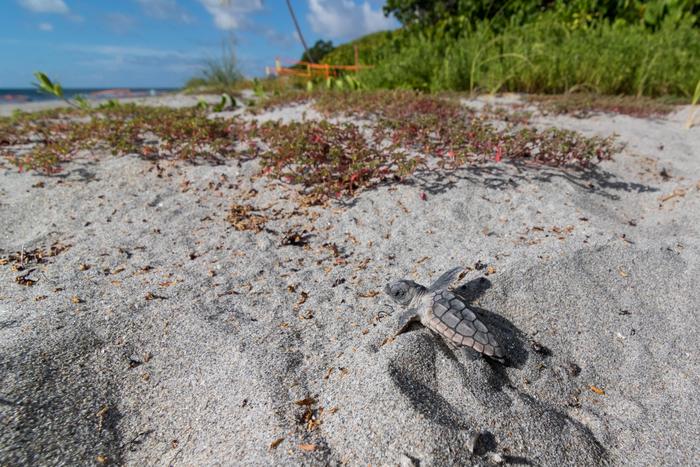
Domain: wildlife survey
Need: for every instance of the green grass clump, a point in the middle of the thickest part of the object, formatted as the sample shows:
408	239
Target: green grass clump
372	49
694	103
545	56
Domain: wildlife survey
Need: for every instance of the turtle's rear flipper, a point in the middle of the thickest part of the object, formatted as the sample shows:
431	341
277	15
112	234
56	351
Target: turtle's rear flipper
501	360
472	355
469	353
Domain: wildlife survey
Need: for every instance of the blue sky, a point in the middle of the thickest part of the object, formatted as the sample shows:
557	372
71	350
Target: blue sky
162	43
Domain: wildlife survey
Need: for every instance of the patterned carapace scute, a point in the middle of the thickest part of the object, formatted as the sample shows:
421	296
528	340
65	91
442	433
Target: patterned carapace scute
451	317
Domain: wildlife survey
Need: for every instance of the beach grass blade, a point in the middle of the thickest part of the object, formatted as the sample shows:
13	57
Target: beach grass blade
694	106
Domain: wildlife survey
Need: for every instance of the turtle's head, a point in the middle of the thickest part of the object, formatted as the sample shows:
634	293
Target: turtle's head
402	292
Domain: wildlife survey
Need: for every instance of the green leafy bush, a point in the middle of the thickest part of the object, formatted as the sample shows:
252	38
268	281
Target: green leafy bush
576	13
546	56
372	49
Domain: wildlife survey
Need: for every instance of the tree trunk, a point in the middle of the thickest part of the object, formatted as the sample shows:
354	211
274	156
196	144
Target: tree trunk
301	36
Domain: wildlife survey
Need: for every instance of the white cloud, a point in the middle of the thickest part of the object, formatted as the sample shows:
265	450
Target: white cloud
45	27
345	19
229	14
45	6
122	51
119	22
165	10
120	58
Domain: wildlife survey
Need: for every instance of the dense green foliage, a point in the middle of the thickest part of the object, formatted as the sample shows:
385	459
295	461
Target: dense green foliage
608	47
372	48
319	50
579	13
547	57
221	73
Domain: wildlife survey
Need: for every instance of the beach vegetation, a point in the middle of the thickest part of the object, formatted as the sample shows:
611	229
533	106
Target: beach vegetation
317	51
637	48
404	132
694	108
54	88
58	135
585	104
219	74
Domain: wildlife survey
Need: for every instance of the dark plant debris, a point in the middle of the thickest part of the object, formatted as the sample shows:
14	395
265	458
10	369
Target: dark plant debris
243	218
21	259
25	280
295	238
583	105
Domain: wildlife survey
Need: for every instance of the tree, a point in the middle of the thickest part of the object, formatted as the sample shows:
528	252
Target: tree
319	50
650	13
430	12
421	12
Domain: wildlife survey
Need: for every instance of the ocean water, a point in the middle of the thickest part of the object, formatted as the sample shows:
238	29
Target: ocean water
14	96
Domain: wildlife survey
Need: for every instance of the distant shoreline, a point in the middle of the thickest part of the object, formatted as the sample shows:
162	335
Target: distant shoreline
26	95
169	98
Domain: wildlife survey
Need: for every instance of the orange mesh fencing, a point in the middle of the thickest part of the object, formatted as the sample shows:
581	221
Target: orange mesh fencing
315	70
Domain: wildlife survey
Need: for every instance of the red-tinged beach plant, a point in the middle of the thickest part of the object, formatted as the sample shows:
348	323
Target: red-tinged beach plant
54	137
328	158
399	133
443	128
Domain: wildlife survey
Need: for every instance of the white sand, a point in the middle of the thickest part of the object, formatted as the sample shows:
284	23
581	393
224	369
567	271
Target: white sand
592	266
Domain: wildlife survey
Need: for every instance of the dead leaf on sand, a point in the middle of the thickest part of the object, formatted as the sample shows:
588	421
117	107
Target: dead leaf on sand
276	443
152	296
295	238
306	401
678	192
101	416
242	218
387	340
370	294
24	279
302	299
307	447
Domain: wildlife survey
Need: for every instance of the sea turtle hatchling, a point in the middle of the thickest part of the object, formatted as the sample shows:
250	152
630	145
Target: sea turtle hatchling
443	312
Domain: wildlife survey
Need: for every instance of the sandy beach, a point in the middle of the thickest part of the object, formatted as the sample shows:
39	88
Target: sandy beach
156	333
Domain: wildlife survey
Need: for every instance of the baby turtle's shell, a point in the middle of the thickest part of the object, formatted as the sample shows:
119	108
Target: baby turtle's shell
451	317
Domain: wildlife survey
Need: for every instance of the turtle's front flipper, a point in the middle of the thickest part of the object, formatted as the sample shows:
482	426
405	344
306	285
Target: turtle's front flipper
445	280
405	320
